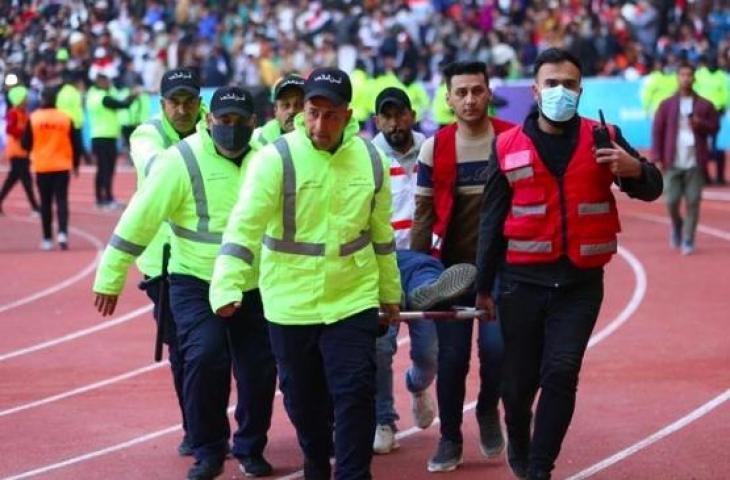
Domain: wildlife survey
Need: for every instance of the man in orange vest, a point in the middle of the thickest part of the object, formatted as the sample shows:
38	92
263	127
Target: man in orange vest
549	224
16	120
55	150
449	185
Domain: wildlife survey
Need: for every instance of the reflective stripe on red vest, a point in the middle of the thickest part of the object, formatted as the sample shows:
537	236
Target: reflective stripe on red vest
543	209
444	178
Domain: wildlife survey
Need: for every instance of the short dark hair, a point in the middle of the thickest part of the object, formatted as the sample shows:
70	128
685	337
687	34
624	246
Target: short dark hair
684	64
465	68
556	55
48	96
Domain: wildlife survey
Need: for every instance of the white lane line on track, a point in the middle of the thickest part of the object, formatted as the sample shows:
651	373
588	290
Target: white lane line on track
104	451
77	334
655	437
637	269
84	389
716	195
66	283
104	383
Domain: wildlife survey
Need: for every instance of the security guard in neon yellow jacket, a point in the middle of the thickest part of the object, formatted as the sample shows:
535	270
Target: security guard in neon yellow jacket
181	110
193	186
319	200
288	98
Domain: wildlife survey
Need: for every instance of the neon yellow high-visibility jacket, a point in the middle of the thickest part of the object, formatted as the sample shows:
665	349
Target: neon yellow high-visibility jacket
361	105
146	142
267	133
193	188
713	86
657	87
442	113
104	121
419	99
324	220
70	102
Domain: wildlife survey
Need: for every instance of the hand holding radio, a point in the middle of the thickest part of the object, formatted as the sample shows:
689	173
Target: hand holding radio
611	154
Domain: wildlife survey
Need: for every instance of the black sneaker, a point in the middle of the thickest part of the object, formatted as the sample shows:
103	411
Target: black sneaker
255	466
453	282
185	449
517	462
206	469
491	441
447	458
314	471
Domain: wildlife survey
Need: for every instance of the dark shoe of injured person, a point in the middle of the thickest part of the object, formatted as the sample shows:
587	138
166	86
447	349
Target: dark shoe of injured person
452	283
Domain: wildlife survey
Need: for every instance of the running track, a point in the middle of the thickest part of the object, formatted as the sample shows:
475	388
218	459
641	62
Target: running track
80	397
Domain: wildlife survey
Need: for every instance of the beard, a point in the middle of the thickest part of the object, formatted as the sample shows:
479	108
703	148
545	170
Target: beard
398	138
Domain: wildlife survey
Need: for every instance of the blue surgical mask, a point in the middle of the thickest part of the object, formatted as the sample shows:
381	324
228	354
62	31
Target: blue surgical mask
558	103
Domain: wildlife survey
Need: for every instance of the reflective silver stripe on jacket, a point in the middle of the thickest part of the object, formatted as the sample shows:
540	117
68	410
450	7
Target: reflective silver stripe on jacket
126	246
288	244
593	208
297	248
362	241
519	174
157	123
202	237
262	140
526	210
196	181
377	164
529	246
599	248
238	251
384	248
148	167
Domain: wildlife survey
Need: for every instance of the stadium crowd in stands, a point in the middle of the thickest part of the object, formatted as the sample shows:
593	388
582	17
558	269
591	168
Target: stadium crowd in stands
252	42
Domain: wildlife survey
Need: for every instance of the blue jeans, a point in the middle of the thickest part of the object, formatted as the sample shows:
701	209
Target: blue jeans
323	366
454	354
546	333
416	269
209	345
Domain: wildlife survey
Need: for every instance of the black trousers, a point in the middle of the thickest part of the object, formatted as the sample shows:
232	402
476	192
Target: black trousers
209	345
327	366
546	332
53	186
19	170
105	151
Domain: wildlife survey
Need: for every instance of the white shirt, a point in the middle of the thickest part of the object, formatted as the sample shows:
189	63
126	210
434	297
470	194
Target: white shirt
686	156
403	186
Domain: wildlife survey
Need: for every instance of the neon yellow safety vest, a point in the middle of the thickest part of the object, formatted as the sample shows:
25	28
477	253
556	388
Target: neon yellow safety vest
713	87
324	222
146	142
419	99
267	133
70	102
657	87
361	105
441	111
103	121
191	187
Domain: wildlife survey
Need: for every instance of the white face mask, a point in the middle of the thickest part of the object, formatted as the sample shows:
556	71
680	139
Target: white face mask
558	103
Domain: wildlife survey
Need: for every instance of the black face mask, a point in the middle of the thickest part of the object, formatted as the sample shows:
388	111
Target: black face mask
231	137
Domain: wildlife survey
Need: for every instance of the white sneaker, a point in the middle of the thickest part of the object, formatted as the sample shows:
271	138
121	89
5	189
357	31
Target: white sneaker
46	245
423	409
384	441
62	240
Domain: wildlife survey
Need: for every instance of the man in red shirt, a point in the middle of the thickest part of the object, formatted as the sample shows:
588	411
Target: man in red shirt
17	119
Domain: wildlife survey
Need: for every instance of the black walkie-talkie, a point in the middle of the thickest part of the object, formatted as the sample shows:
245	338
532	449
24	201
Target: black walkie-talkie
601	138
